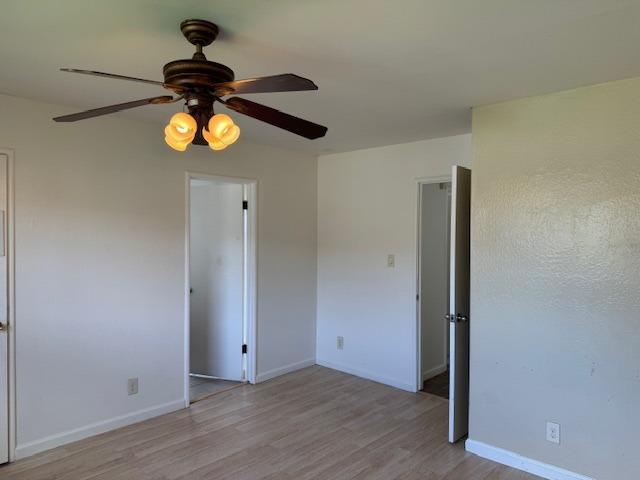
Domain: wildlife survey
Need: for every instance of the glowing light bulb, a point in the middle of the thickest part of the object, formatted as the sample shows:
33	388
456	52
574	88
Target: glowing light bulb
222	132
179	146
181	131
222	126
214	142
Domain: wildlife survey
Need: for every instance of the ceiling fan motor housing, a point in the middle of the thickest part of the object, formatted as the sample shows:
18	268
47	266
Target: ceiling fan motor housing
194	74
197	73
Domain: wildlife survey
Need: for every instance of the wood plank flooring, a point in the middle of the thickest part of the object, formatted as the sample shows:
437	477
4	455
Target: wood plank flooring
316	424
200	388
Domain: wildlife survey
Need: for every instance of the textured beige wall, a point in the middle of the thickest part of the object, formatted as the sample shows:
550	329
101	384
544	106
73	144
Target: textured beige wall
555	300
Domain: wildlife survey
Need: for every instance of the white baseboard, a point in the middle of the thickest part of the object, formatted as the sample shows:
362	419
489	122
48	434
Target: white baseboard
519	462
368	375
432	372
292	367
31	448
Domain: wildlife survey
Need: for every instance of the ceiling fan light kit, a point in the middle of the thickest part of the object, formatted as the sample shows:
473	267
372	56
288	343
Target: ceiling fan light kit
222	132
180	131
201	83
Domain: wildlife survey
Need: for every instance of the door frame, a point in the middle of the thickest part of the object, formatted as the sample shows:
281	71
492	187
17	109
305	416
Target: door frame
11	316
418	286
250	287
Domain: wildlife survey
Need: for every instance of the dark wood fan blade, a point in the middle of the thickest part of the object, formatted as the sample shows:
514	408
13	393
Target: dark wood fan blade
275	117
96	112
287	82
120	77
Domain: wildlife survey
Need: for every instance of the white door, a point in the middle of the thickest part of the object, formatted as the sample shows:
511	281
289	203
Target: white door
459	304
217	279
4	359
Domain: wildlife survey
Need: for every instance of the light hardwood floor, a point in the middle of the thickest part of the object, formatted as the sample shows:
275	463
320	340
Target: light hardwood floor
200	388
312	424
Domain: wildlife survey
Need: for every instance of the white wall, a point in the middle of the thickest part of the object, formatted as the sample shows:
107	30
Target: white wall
555	271
367	209
216	260
100	211
434	284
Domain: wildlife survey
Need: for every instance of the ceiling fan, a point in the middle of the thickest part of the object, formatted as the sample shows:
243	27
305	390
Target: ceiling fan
201	83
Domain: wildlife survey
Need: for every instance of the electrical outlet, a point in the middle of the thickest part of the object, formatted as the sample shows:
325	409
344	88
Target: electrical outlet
132	386
391	260
340	343
553	432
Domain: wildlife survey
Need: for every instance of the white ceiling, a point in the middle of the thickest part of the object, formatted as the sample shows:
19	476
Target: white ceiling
388	71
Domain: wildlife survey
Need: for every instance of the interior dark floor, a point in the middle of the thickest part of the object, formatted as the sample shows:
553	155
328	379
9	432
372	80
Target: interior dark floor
438	385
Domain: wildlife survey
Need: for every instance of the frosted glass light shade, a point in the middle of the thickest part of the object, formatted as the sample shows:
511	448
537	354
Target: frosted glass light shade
222	132
175	144
222	127
214	142
181	131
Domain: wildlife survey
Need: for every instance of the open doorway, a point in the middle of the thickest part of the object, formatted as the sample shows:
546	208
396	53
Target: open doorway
221	284
435	221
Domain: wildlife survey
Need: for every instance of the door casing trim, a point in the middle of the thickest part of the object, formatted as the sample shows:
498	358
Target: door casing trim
251	185
417	285
11	317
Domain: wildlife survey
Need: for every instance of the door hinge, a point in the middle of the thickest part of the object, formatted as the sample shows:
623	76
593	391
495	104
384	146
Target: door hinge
244	348
245	205
417	297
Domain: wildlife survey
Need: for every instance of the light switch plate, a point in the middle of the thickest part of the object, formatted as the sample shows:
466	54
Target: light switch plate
391	260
